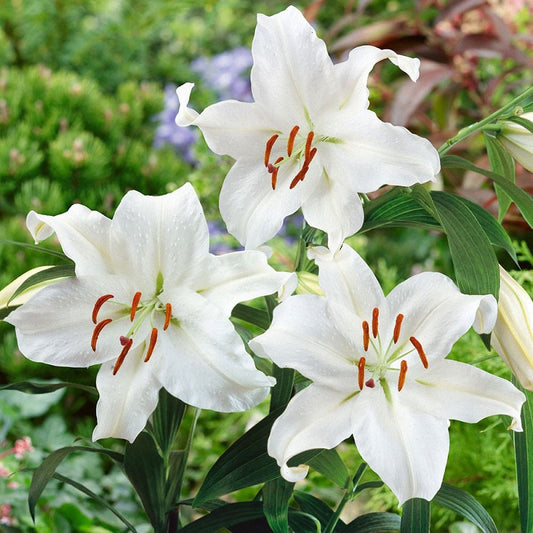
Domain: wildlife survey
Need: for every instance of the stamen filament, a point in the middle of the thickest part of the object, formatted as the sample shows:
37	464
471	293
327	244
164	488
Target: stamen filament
366	335
375	322
290	141
97	330
122	356
361	373
151	346
401	377
134	305
397	328
268	147
308	143
420	350
101	301
168	316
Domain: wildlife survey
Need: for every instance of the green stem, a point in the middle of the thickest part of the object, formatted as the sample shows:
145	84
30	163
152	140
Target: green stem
477	126
348	495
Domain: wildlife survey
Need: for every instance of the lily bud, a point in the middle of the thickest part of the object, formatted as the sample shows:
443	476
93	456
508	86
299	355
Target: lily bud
6	294
518	141
512	336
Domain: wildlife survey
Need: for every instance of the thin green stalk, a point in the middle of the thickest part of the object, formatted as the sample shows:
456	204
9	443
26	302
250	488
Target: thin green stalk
349	493
478	126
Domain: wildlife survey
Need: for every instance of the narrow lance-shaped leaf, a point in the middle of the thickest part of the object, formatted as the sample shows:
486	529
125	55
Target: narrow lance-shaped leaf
522	199
372	522
32	387
54	272
415	516
276	495
466	505
46	470
502	163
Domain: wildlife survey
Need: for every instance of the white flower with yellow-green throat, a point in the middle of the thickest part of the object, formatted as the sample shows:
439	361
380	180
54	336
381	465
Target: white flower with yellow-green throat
378	370
152	305
308	140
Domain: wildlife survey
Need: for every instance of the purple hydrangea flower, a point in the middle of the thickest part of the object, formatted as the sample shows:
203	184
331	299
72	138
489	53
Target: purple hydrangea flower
227	73
167	132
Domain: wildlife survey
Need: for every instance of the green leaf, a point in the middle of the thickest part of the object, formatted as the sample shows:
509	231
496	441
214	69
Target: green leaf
475	263
281	392
32	387
276	495
251	315
330	465
372	522
54	272
166	420
146	471
37	248
415	516
225	517
4	311
523	444
502	163
466	505
315	507
245	463
95	497
398	209
492	228
522	199
46	470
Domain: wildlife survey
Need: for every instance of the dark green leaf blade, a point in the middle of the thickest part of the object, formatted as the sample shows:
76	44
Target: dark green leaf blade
315	507
523	443
522	199
475	263
502	163
276	495
415	516
250	314
33	387
54	272
46	470
146	471
466	505
330	465
372	522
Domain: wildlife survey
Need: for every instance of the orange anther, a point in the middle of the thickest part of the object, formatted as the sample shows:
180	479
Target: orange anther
401	377
151	346
274	169
122	356
134	305
366	335
397	328
420	350
101	301
308	143
375	322
290	141
268	148
96	333
361	372
168	315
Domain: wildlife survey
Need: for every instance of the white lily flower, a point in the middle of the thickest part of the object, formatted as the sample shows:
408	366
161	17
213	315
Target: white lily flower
308	140
379	372
518	141
512	336
152	305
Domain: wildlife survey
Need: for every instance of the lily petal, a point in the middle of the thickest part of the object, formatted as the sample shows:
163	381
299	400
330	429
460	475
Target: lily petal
307	424
55	326
83	235
408	449
127	398
159	234
303	337
236	277
438	321
454	390
202	361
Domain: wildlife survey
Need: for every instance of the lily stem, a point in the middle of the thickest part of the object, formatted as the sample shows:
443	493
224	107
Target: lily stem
478	126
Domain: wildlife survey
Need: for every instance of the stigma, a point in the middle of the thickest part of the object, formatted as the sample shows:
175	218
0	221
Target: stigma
136	313
294	151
